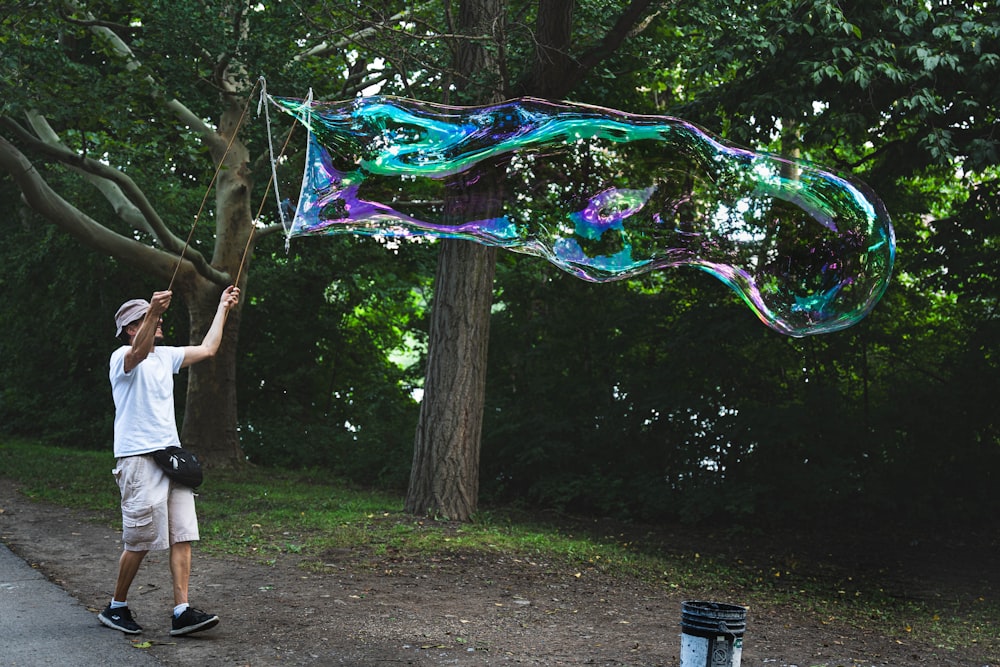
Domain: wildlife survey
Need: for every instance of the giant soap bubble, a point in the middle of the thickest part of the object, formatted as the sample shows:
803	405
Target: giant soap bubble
602	194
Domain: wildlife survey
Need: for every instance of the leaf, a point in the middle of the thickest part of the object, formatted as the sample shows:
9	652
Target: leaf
151	643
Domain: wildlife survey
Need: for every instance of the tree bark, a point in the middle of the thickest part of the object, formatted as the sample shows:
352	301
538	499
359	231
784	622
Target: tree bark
444	478
552	67
210	412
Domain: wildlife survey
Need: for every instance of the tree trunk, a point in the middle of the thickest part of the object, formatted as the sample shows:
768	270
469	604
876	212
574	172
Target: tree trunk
552	68
444	479
210	412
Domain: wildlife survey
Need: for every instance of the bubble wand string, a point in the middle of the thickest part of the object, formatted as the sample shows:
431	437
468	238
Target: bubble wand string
274	176
208	190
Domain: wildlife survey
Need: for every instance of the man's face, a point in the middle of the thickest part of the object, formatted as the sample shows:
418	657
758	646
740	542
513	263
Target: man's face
133	329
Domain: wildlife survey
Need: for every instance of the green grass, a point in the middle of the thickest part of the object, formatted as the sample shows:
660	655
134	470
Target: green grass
262	514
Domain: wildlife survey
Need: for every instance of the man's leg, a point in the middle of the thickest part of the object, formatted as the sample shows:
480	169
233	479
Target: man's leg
186	618
144	490
183	531
128	567
180	570
117	615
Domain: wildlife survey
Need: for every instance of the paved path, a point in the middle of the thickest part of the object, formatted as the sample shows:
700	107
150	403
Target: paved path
42	625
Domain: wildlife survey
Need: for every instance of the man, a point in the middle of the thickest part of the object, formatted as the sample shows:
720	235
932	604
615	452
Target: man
156	513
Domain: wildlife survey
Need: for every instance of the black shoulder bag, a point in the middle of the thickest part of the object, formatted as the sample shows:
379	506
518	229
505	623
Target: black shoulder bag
180	465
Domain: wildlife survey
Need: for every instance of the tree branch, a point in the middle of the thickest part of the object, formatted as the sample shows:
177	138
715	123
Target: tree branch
270	230
127	199
555	74
179	110
326	47
50	145
37	193
110	25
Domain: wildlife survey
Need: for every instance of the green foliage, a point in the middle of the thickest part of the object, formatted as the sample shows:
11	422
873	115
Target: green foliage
617	398
907	77
663	399
654	398
58	331
319	386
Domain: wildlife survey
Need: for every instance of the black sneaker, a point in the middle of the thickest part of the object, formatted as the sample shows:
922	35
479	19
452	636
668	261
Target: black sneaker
120	619
193	620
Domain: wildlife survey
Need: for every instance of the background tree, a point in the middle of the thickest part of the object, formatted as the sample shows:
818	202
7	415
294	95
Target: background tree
102	52
327	375
658	397
902	94
893	92
166	91
229	42
444	478
445	474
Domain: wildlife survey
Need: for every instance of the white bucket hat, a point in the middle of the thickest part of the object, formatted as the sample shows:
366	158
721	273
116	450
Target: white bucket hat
129	312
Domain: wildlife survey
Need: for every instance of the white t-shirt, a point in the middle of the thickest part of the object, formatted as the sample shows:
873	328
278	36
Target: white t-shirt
144	401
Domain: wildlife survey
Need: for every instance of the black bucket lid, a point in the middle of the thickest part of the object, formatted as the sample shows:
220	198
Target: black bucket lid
707	619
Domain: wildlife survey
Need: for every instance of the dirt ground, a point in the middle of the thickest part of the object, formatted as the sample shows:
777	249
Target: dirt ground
358	608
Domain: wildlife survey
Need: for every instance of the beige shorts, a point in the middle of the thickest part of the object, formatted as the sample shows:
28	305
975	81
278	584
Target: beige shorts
155	512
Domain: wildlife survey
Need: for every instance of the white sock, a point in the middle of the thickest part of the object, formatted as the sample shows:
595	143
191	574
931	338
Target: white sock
115	604
180	609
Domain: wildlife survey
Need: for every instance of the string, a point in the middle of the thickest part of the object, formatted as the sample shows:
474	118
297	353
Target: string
273	180
208	190
306	164
264	97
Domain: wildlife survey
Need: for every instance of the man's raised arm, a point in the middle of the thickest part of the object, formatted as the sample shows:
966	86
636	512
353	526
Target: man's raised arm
210	344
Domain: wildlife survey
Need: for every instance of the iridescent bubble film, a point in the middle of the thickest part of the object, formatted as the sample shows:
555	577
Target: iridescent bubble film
602	194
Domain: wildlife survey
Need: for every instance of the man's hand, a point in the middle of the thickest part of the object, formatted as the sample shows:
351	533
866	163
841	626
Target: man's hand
230	297
159	303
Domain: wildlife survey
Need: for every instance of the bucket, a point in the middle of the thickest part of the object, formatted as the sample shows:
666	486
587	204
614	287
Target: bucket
712	634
